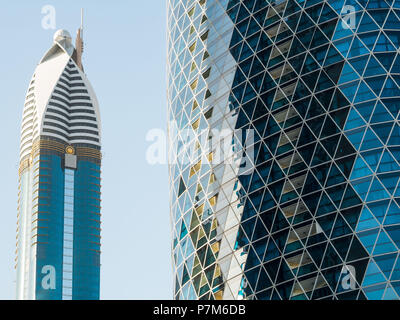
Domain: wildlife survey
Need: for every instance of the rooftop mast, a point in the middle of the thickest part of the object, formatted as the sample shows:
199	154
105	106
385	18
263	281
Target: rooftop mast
82	23
79	44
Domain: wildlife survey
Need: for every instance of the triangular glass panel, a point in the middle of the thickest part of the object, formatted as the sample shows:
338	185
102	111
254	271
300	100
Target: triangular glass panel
384	244
367	221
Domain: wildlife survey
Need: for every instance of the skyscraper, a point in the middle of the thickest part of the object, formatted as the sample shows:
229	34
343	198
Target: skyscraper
58	231
318	83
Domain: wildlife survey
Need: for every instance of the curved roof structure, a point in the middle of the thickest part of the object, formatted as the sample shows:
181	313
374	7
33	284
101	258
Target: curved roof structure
60	102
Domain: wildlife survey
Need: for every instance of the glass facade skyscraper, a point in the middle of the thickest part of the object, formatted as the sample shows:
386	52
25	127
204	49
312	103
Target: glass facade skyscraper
317	216
58	231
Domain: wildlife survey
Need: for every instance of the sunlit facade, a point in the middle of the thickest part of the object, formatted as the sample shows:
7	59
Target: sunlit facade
318	214
58	231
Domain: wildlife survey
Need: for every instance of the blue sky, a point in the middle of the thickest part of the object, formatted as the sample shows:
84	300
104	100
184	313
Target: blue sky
124	58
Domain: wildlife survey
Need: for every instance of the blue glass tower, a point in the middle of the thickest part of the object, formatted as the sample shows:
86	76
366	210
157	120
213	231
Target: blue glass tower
58	232
318	82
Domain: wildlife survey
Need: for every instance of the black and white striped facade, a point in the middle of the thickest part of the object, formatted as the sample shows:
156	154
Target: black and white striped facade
60	102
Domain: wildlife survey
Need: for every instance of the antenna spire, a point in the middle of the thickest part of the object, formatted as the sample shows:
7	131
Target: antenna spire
79	44
82	22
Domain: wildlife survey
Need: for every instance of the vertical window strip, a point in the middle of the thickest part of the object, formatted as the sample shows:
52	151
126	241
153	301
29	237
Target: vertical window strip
68	247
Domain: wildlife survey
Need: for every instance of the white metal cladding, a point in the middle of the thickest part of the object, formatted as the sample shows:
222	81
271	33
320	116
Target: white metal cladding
60	101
